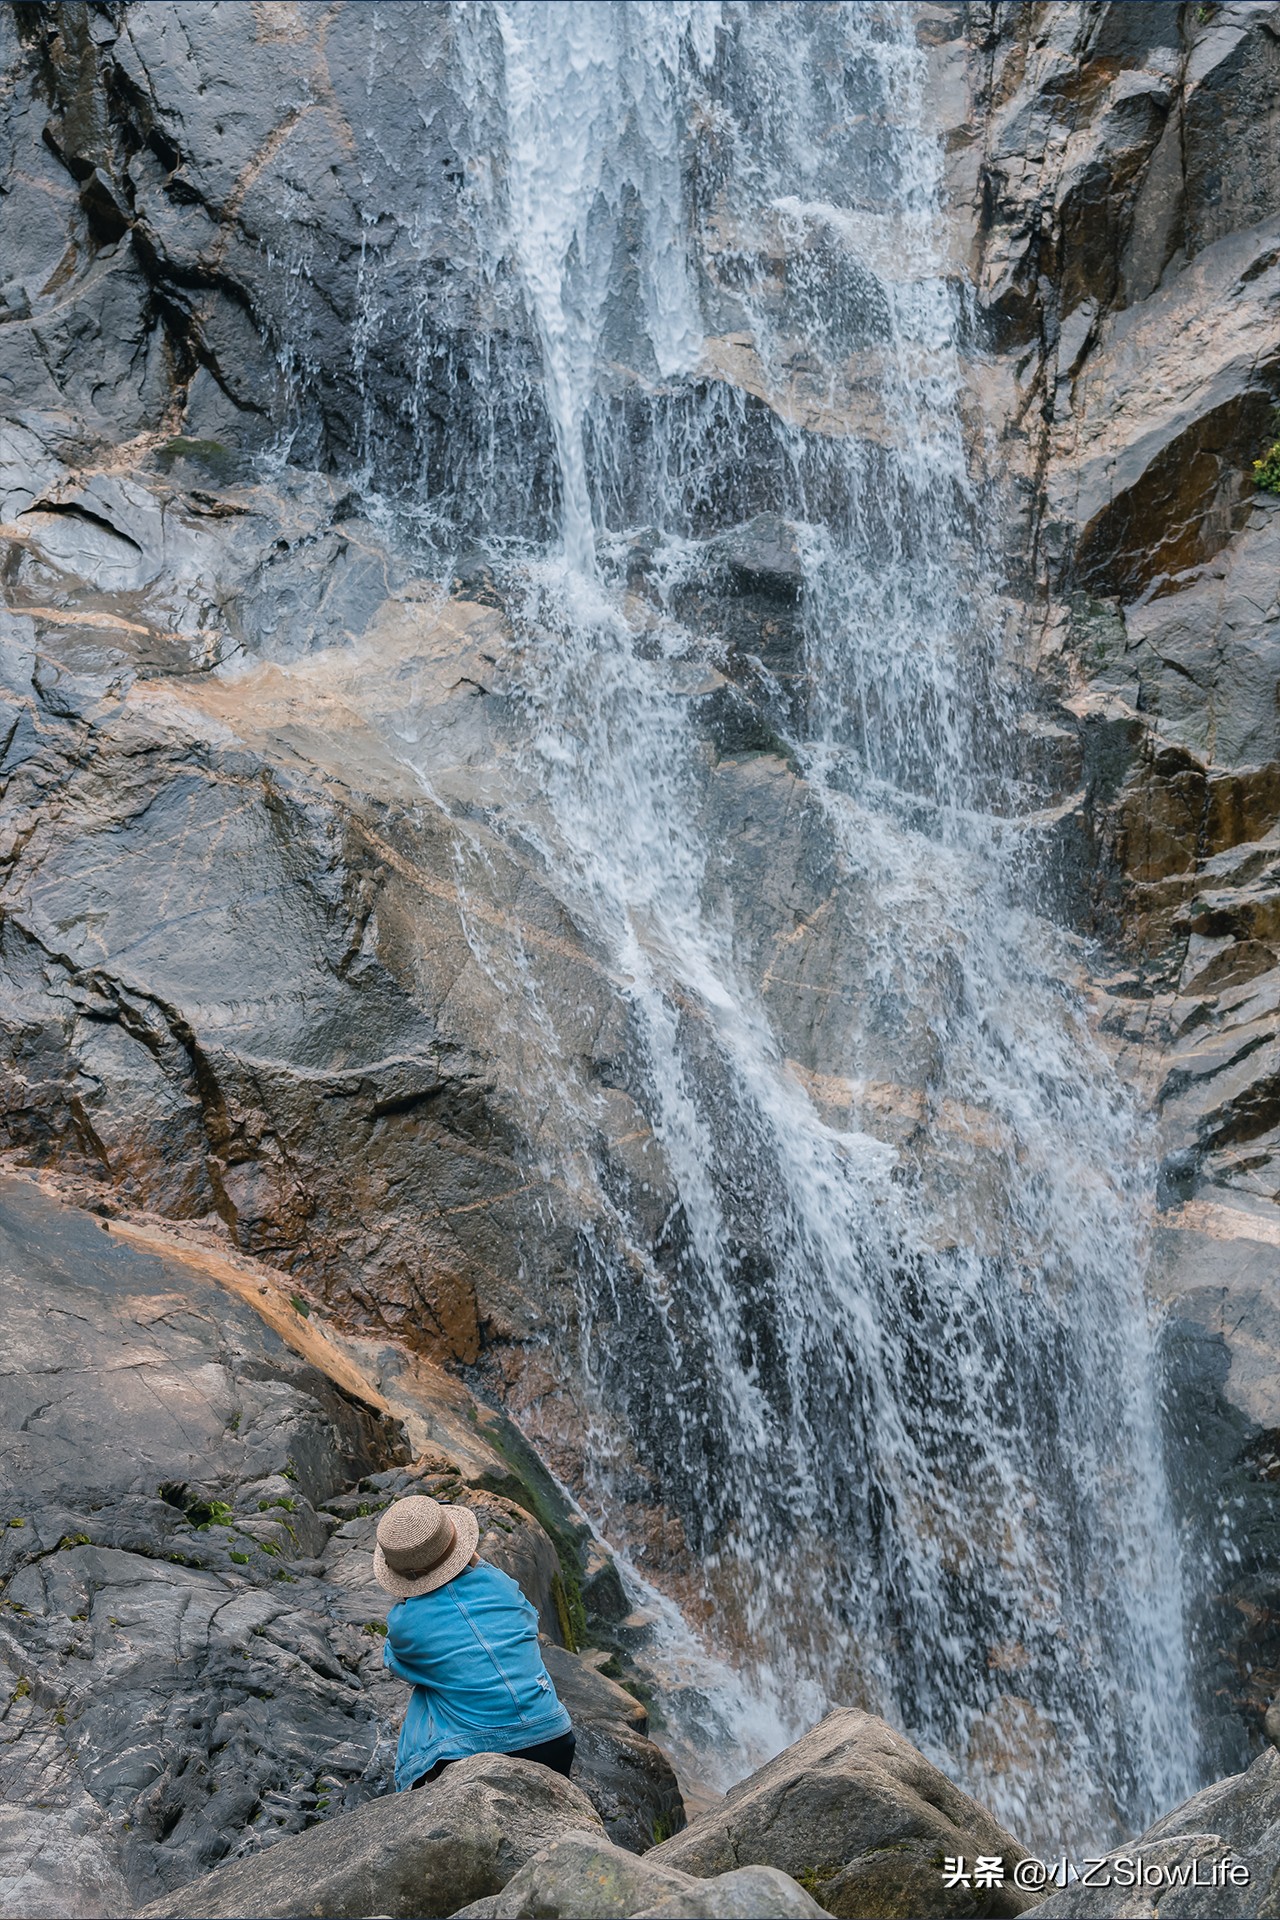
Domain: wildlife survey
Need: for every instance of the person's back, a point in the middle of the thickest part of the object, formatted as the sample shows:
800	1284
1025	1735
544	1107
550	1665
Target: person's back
466	1639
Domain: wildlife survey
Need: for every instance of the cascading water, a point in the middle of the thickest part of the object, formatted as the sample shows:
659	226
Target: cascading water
884	1360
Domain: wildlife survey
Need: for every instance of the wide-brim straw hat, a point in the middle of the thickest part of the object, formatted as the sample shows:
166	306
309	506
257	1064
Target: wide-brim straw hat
422	1545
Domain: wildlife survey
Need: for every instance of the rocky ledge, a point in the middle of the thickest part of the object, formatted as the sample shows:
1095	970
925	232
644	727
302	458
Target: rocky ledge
851	1821
189	1629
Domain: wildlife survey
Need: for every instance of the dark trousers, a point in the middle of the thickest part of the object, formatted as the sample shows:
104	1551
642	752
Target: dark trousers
556	1754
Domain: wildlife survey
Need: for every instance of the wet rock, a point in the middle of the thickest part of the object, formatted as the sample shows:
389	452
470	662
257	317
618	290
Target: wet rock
455	1841
763	556
628	1780
579	1879
1217	1855
859	1816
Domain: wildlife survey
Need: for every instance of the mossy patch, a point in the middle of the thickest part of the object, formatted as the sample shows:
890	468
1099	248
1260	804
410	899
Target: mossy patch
219	462
532	1487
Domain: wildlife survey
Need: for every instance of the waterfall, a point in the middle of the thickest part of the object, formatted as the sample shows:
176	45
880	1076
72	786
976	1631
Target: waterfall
866	1367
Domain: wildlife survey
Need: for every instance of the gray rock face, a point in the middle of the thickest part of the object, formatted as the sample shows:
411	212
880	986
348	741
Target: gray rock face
161	155
462	1837
862	1818
748	1893
1193	1859
580	1879
1127	262
190	1629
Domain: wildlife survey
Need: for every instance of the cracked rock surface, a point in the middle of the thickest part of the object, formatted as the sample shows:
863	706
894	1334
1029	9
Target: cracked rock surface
190	1633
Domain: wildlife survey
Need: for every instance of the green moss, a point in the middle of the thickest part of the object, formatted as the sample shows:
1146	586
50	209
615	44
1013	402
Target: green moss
210	1513
17	1523
299	1305
22	1690
217	460
570	1611
532	1488
74	1540
378	1627
241	1559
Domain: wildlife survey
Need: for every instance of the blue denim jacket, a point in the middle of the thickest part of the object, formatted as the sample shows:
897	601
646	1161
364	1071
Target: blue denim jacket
470	1652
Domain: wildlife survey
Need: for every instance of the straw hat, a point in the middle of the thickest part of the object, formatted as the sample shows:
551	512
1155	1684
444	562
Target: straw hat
422	1545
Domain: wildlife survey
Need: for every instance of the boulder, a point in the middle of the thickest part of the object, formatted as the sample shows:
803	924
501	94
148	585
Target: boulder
1216	1856
748	1893
460	1838
628	1780
862	1818
580	1879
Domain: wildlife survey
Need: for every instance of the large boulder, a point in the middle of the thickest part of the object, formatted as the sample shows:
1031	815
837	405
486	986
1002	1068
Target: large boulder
1216	1856
580	1879
460	1838
862	1818
628	1780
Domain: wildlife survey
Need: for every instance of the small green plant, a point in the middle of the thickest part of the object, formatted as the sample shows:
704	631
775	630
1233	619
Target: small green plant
17	1523
378	1627
73	1540
1205	12
1266	472
241	1559
22	1689
299	1305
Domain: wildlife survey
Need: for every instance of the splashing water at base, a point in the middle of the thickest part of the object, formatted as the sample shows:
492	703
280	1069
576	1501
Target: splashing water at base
870	1346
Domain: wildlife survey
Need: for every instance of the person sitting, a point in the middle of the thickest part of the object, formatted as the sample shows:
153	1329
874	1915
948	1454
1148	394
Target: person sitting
466	1639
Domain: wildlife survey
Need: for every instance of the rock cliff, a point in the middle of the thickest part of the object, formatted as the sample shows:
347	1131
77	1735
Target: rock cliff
256	976
1124	242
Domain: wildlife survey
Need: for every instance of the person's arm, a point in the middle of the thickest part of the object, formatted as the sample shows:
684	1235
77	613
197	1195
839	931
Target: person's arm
402	1652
